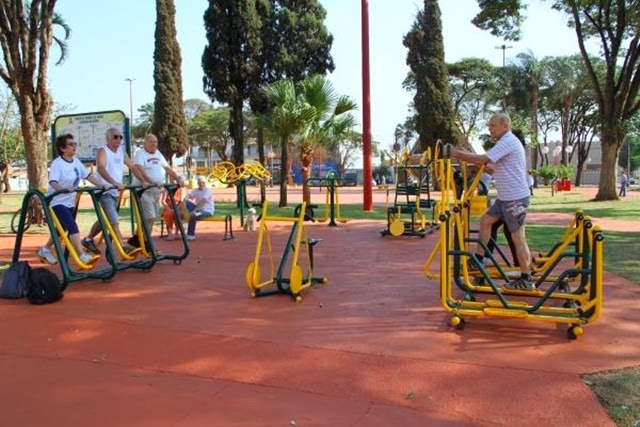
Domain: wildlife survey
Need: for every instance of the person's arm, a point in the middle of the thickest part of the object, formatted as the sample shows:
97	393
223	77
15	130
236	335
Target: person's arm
469	157
136	171
54	175
101	165
173	175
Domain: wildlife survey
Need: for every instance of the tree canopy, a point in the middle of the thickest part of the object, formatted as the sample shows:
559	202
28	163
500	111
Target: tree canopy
27	36
614	25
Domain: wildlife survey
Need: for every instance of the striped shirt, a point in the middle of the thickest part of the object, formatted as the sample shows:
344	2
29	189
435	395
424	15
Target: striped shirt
510	168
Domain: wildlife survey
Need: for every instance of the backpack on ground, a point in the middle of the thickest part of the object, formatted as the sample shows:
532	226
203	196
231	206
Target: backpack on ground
15	280
44	287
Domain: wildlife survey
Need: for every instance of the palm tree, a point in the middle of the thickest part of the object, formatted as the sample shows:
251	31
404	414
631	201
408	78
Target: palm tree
286	117
331	120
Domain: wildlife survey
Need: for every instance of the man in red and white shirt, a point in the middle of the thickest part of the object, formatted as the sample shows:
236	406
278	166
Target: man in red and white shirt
154	168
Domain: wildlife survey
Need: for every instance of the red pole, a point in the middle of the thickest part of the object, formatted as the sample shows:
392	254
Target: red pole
367	175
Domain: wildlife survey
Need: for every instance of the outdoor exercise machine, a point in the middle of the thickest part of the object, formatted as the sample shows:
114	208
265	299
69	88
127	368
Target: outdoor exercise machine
59	237
230	174
552	300
147	245
332	182
412	198
297	255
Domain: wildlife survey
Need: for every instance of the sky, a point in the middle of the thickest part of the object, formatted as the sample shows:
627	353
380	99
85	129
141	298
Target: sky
113	40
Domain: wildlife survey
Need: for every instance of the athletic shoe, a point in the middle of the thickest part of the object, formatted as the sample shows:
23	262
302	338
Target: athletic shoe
47	256
90	246
521	284
86	258
190	237
127	248
133	241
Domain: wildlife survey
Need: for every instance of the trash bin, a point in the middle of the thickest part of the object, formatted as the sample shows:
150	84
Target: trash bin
559	185
566	184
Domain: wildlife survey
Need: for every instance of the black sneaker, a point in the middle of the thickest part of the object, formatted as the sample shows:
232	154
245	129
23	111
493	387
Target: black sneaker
90	246
133	241
521	284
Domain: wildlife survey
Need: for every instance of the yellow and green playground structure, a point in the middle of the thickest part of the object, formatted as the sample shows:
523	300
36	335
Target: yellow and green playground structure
568	278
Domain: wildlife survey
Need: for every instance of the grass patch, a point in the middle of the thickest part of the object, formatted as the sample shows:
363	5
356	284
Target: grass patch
568	202
620	249
619	393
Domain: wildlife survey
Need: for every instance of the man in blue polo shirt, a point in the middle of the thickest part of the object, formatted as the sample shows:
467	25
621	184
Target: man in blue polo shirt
508	161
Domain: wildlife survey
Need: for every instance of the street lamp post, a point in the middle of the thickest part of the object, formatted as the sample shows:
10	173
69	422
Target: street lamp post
504	48
130	109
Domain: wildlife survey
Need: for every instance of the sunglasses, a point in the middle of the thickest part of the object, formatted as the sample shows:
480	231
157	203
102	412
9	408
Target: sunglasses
118	136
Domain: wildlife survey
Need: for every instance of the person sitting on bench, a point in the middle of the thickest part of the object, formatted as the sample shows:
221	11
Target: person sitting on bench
200	205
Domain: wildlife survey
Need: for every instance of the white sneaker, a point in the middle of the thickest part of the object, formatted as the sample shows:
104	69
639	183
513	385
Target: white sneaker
47	256
190	237
86	258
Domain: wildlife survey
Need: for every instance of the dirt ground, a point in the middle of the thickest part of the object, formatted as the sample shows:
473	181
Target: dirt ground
185	345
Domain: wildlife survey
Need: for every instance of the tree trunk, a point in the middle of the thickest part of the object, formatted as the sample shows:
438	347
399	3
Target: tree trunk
284	172
261	159
579	169
236	127
607	183
35	142
306	160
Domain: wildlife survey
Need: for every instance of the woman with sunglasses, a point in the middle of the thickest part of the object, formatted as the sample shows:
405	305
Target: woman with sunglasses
65	173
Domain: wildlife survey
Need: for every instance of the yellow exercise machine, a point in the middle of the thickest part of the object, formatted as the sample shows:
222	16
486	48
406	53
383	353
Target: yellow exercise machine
464	293
412	197
298	253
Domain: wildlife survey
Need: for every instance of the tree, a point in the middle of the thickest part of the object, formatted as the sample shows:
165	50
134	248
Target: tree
169	124
230	59
296	44
331	121
434	111
26	37
614	25
287	116
472	84
346	149
527	76
210	130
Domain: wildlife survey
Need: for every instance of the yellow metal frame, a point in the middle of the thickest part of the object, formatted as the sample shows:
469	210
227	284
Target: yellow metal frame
64	237
254	276
580	308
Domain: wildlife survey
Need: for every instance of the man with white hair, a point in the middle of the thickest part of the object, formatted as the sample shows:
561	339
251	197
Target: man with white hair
200	205
508	161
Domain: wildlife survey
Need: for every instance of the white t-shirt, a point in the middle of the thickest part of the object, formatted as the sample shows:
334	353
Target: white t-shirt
67	174
510	168
205	194
115	167
152	164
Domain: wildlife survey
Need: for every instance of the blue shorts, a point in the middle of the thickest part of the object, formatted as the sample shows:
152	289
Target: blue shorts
66	217
513	212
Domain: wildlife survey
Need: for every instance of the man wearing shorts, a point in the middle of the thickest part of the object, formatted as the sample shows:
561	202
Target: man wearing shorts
508	161
152	165
110	161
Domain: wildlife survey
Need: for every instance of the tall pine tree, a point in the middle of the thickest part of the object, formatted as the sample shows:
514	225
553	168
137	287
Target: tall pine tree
434	110
230	59
169	123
